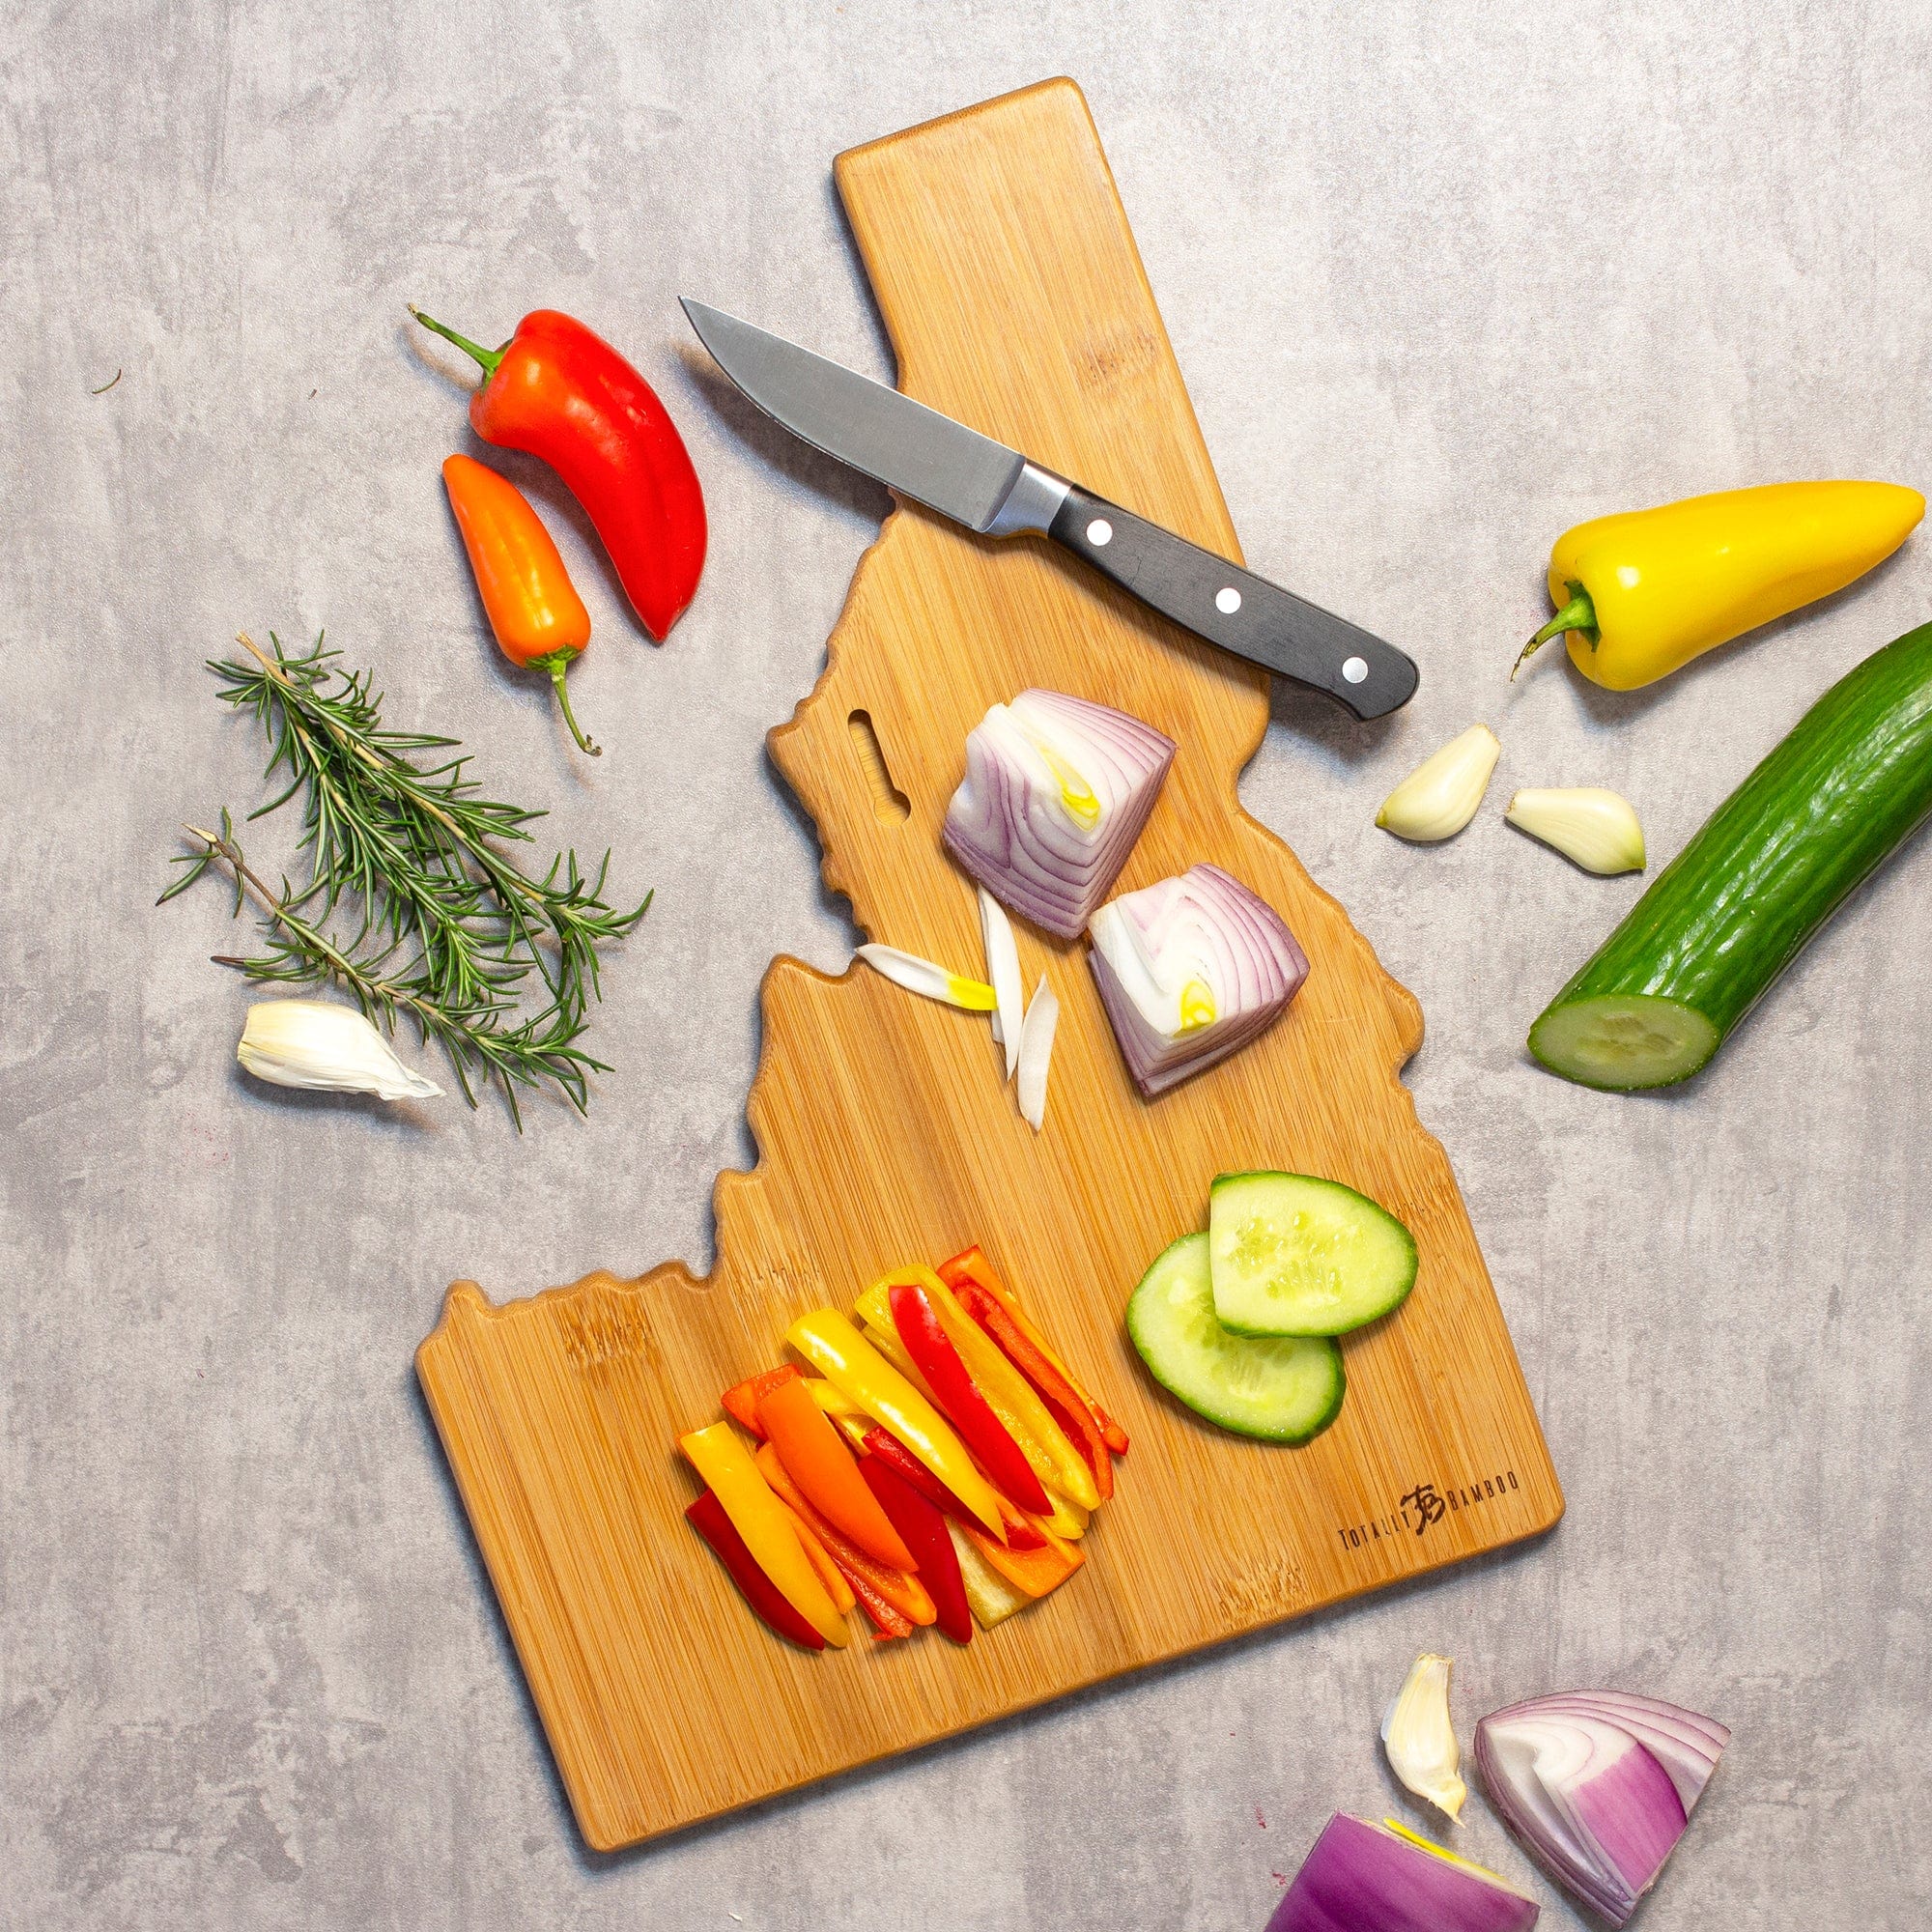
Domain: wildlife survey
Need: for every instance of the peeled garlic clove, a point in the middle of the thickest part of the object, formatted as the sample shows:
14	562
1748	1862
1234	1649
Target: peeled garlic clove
1594	827
934	981
1440	796
1420	1740
325	1048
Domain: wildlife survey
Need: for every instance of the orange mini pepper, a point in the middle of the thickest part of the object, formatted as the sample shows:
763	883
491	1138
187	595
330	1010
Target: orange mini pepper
533	606
827	1471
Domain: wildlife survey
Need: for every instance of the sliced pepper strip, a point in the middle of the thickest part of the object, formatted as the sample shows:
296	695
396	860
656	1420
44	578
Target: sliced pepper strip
960	1398
1059	1395
1054	1459
1033	1571
707	1517
726	1468
831	1343
1020	1531
903	1592
741	1400
819	1558
828	1472
972	1264
925	1530
993	1600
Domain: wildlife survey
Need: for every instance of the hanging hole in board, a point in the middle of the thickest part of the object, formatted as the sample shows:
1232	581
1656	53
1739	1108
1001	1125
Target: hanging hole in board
889	805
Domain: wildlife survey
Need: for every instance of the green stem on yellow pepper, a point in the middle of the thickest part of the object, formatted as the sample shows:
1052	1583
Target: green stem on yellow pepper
1578	615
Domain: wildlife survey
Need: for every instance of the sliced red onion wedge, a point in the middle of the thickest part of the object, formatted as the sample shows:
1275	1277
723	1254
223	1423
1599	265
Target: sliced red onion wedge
1384	1878
1056	792
1190	969
1599	1787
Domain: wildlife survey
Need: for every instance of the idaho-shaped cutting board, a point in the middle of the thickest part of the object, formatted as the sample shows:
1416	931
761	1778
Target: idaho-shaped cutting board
1008	281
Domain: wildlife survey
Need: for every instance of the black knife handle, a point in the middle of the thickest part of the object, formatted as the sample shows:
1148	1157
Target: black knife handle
1234	608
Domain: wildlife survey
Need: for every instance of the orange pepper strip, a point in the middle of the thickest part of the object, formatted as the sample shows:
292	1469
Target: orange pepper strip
820	1559
973	1265
533	606
827	1471
902	1591
1033	1571
740	1402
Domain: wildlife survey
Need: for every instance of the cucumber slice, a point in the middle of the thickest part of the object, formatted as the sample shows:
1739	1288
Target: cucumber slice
1292	1255
1279	1390
1849	782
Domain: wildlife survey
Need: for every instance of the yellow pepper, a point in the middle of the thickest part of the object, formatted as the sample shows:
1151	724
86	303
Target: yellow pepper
843	1356
1644	592
760	1518
1043	1441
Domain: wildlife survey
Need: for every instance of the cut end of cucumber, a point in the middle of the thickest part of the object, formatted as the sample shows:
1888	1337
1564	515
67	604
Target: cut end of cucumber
1282	1390
1292	1254
1620	1041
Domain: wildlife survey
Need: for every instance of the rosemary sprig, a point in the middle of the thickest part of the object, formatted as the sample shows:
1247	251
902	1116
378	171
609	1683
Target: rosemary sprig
448	926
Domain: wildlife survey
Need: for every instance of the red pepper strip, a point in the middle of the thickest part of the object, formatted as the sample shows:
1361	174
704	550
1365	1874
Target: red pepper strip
566	395
901	1591
1061	1397
741	1400
897	1458
960	1401
925	1531
973	1265
707	1517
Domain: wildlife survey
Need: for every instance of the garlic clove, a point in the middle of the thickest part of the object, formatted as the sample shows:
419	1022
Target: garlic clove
1420	1740
1595	828
933	981
323	1047
1440	796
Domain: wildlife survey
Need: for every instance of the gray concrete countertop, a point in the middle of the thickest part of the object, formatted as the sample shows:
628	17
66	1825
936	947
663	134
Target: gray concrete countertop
1444	278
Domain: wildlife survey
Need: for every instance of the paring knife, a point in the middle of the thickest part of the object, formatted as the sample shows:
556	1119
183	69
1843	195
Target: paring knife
997	492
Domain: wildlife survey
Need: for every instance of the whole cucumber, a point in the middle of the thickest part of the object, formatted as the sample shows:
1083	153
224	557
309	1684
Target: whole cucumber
1846	786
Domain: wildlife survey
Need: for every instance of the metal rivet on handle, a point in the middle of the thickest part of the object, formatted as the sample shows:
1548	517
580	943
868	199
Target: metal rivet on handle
1228	601
1354	669
1099	533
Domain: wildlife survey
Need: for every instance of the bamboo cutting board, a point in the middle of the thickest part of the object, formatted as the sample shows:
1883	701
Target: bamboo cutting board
1007	277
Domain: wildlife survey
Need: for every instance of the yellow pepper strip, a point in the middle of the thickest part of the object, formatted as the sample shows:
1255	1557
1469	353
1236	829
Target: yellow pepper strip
724	1464
1055	1460
819	1558
990	1596
1648	590
836	1350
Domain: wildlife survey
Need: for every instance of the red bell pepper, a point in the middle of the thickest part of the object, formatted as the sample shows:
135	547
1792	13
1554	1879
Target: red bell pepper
925	1531
740	1402
971	1265
959	1399
564	394
897	1458
1061	1397
707	1517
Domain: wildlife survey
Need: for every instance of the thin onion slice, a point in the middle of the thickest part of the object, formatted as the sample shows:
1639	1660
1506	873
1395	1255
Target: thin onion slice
1043	1016
934	981
1361	1877
1056	792
1599	1787
1002	969
1191	970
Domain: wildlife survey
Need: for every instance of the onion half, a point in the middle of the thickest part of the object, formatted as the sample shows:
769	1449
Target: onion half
1599	1787
1056	792
1190	969
1384	1878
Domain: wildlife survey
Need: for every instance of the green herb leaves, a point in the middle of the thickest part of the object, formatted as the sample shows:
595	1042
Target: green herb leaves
447	927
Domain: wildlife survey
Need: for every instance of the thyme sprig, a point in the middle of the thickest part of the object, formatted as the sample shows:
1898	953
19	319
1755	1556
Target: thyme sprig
447	928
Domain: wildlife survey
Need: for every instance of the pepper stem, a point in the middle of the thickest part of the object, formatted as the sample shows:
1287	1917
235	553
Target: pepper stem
1578	615
557	663
488	358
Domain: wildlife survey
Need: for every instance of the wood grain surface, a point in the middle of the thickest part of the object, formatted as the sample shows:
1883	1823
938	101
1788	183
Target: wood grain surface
1007	277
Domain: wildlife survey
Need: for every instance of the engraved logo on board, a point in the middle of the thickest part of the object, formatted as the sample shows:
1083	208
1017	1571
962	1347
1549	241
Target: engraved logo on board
1418	1509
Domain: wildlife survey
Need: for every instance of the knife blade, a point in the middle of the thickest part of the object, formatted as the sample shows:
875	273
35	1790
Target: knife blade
998	492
